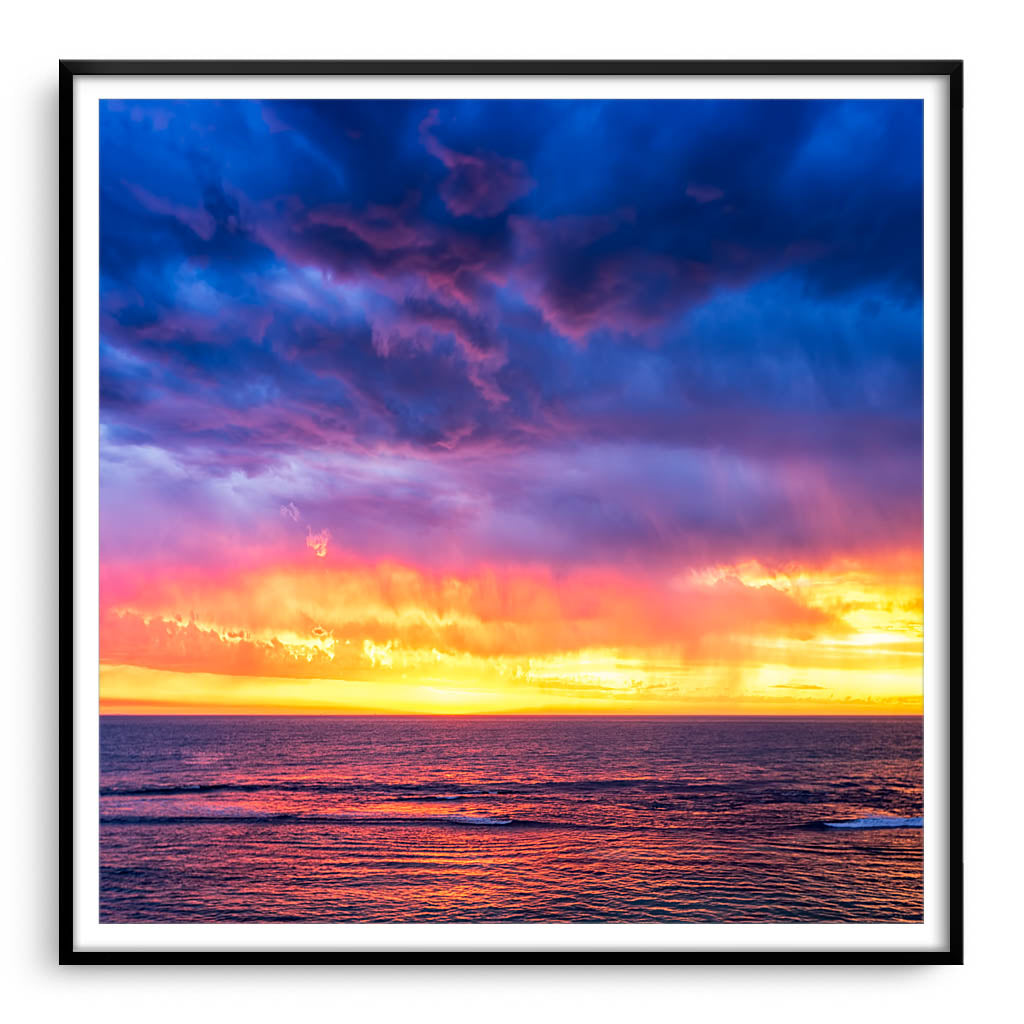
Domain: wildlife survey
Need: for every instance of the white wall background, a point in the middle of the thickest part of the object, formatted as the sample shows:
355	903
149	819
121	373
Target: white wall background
986	33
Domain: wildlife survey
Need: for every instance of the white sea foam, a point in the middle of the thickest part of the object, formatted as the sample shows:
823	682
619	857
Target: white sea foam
479	819
877	823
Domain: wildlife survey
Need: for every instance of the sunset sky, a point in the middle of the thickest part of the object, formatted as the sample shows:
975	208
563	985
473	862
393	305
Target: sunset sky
495	406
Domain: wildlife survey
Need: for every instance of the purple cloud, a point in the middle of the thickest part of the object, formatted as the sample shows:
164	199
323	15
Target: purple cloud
478	185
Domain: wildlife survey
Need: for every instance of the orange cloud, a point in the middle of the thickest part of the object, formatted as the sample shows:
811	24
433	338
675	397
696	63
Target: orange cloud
318	542
494	638
281	621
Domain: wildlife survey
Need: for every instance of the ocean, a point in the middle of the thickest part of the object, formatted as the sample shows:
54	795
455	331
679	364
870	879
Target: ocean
319	819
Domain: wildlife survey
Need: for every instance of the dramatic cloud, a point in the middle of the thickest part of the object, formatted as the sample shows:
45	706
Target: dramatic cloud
636	339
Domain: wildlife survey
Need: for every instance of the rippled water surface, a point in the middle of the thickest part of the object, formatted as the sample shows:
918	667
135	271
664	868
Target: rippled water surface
510	819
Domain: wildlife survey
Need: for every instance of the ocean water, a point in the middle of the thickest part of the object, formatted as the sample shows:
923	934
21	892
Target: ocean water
510	819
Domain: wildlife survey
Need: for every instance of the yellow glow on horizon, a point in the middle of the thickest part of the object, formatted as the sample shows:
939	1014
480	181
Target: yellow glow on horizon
719	690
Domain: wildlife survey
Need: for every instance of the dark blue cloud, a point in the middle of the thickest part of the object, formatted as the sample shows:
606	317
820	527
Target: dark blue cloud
737	279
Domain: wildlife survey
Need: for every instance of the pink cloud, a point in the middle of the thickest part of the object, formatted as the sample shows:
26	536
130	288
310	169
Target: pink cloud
478	185
385	228
198	220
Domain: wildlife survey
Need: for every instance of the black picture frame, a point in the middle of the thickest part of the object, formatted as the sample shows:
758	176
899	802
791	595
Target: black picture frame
953	70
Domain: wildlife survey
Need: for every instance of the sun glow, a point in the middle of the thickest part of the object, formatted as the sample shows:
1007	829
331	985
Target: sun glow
387	637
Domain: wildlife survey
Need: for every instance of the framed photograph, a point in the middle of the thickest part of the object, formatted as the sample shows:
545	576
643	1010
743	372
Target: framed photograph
515	511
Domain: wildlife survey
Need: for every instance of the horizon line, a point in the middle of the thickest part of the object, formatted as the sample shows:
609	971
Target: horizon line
498	714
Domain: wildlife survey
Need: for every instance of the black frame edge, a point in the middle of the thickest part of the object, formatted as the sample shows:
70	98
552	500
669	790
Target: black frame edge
956	525
65	388
513	67
69	69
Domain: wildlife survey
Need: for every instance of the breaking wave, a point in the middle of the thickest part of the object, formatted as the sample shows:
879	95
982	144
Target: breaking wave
878	822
